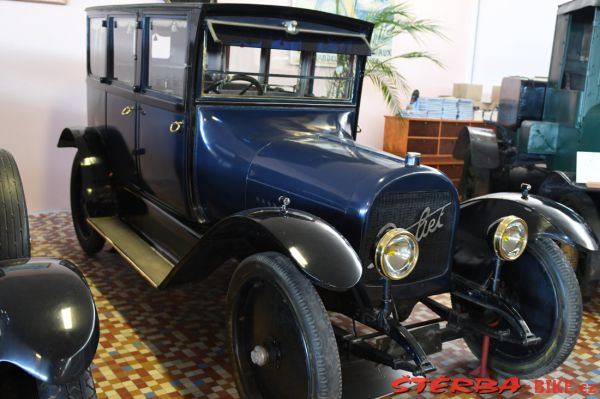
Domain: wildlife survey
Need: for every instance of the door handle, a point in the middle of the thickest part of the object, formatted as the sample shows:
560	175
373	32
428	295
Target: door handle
175	126
127	110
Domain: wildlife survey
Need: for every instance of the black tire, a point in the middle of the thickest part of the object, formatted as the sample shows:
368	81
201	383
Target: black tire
81	388
14	225
542	286
272	305
88	238
586	264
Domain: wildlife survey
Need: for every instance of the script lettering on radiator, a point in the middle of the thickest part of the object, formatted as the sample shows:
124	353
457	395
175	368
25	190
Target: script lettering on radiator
429	222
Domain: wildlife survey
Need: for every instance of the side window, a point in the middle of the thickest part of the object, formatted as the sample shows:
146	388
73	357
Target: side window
97	47
124	46
168	43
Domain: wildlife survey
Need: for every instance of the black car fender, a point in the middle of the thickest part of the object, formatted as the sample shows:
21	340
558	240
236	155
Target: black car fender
479	146
544	218
48	322
95	166
319	251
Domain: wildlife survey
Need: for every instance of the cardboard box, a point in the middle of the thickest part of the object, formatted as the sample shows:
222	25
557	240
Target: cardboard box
495	96
467	90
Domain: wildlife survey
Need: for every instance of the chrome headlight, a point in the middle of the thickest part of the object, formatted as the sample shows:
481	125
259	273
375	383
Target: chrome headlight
396	254
510	238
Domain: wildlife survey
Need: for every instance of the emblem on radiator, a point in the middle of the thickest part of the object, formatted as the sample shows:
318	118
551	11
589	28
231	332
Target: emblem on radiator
428	223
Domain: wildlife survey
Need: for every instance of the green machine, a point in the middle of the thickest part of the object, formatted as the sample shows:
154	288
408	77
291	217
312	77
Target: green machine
542	125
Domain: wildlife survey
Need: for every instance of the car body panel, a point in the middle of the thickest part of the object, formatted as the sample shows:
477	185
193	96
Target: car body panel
48	321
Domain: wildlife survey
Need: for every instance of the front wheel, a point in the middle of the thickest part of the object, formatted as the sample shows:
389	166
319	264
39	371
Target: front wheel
80	388
585	263
280	338
14	225
542	286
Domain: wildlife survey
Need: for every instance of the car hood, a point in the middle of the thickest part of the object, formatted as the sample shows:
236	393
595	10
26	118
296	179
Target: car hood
333	177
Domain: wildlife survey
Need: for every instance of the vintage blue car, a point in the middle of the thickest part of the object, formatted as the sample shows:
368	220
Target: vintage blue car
222	131
48	322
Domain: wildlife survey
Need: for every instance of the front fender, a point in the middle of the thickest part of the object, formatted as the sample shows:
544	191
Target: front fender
48	321
544	217
318	250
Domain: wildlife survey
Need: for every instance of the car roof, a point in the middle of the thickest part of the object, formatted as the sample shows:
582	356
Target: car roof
246	9
576	5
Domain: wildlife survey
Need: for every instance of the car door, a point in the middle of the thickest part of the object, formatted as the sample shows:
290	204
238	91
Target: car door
162	125
121	104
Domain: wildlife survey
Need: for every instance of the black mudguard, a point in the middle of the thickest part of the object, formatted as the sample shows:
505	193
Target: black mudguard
48	321
544	217
318	250
479	146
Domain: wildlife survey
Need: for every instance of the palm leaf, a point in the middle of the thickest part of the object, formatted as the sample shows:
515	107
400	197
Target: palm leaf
392	21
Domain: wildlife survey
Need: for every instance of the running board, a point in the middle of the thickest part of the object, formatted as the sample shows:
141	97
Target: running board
140	254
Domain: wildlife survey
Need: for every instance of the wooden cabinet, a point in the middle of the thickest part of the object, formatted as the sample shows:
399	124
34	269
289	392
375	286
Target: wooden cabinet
433	138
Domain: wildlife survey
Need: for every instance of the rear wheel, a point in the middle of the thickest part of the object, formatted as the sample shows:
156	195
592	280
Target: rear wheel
80	388
542	286
88	238
280	337
14	225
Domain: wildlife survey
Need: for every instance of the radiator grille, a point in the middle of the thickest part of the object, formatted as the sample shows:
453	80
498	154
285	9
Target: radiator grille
405	210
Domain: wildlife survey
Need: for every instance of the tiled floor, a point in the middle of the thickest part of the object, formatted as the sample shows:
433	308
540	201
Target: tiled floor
171	344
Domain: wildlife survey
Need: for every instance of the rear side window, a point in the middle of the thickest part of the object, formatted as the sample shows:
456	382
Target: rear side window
97	47
124	45
168	53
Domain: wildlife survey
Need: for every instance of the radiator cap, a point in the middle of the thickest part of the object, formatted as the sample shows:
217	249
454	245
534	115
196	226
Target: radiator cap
413	159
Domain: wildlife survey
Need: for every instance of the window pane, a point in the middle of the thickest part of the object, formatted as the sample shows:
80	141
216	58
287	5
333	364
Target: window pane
235	71
97	47
245	59
283	62
333	76
168	49
124	37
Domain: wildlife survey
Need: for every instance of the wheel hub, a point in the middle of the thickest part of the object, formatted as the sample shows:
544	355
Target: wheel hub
259	355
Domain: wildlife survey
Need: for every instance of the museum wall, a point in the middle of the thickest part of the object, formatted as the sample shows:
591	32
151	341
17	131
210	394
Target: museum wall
42	69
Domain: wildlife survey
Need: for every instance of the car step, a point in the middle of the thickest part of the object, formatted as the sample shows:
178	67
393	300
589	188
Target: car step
142	256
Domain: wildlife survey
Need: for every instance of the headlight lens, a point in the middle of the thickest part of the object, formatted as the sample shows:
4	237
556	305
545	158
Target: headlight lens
510	238
396	254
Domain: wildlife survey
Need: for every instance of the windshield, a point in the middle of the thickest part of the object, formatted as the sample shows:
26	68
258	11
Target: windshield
244	62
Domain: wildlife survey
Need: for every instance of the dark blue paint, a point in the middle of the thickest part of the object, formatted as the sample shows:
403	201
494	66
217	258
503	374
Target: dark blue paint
161	161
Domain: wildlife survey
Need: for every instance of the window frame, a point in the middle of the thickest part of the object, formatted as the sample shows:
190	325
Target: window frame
111	46
105	24
145	64
201	97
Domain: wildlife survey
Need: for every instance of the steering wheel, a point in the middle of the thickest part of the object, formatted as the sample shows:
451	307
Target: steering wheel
218	85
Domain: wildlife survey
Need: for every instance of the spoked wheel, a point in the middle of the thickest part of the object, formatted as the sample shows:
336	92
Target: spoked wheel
542	286
88	238
280	337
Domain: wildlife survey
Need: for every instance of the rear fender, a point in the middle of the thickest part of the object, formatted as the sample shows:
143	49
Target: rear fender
319	251
544	217
48	321
94	166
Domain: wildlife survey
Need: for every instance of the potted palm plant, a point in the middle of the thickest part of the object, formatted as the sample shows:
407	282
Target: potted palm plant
391	20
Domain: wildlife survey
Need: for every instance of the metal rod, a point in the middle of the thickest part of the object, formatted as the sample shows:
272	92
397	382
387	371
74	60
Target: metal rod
386	299
496	279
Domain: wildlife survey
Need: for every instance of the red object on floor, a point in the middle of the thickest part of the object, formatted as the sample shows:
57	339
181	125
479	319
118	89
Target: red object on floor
482	370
